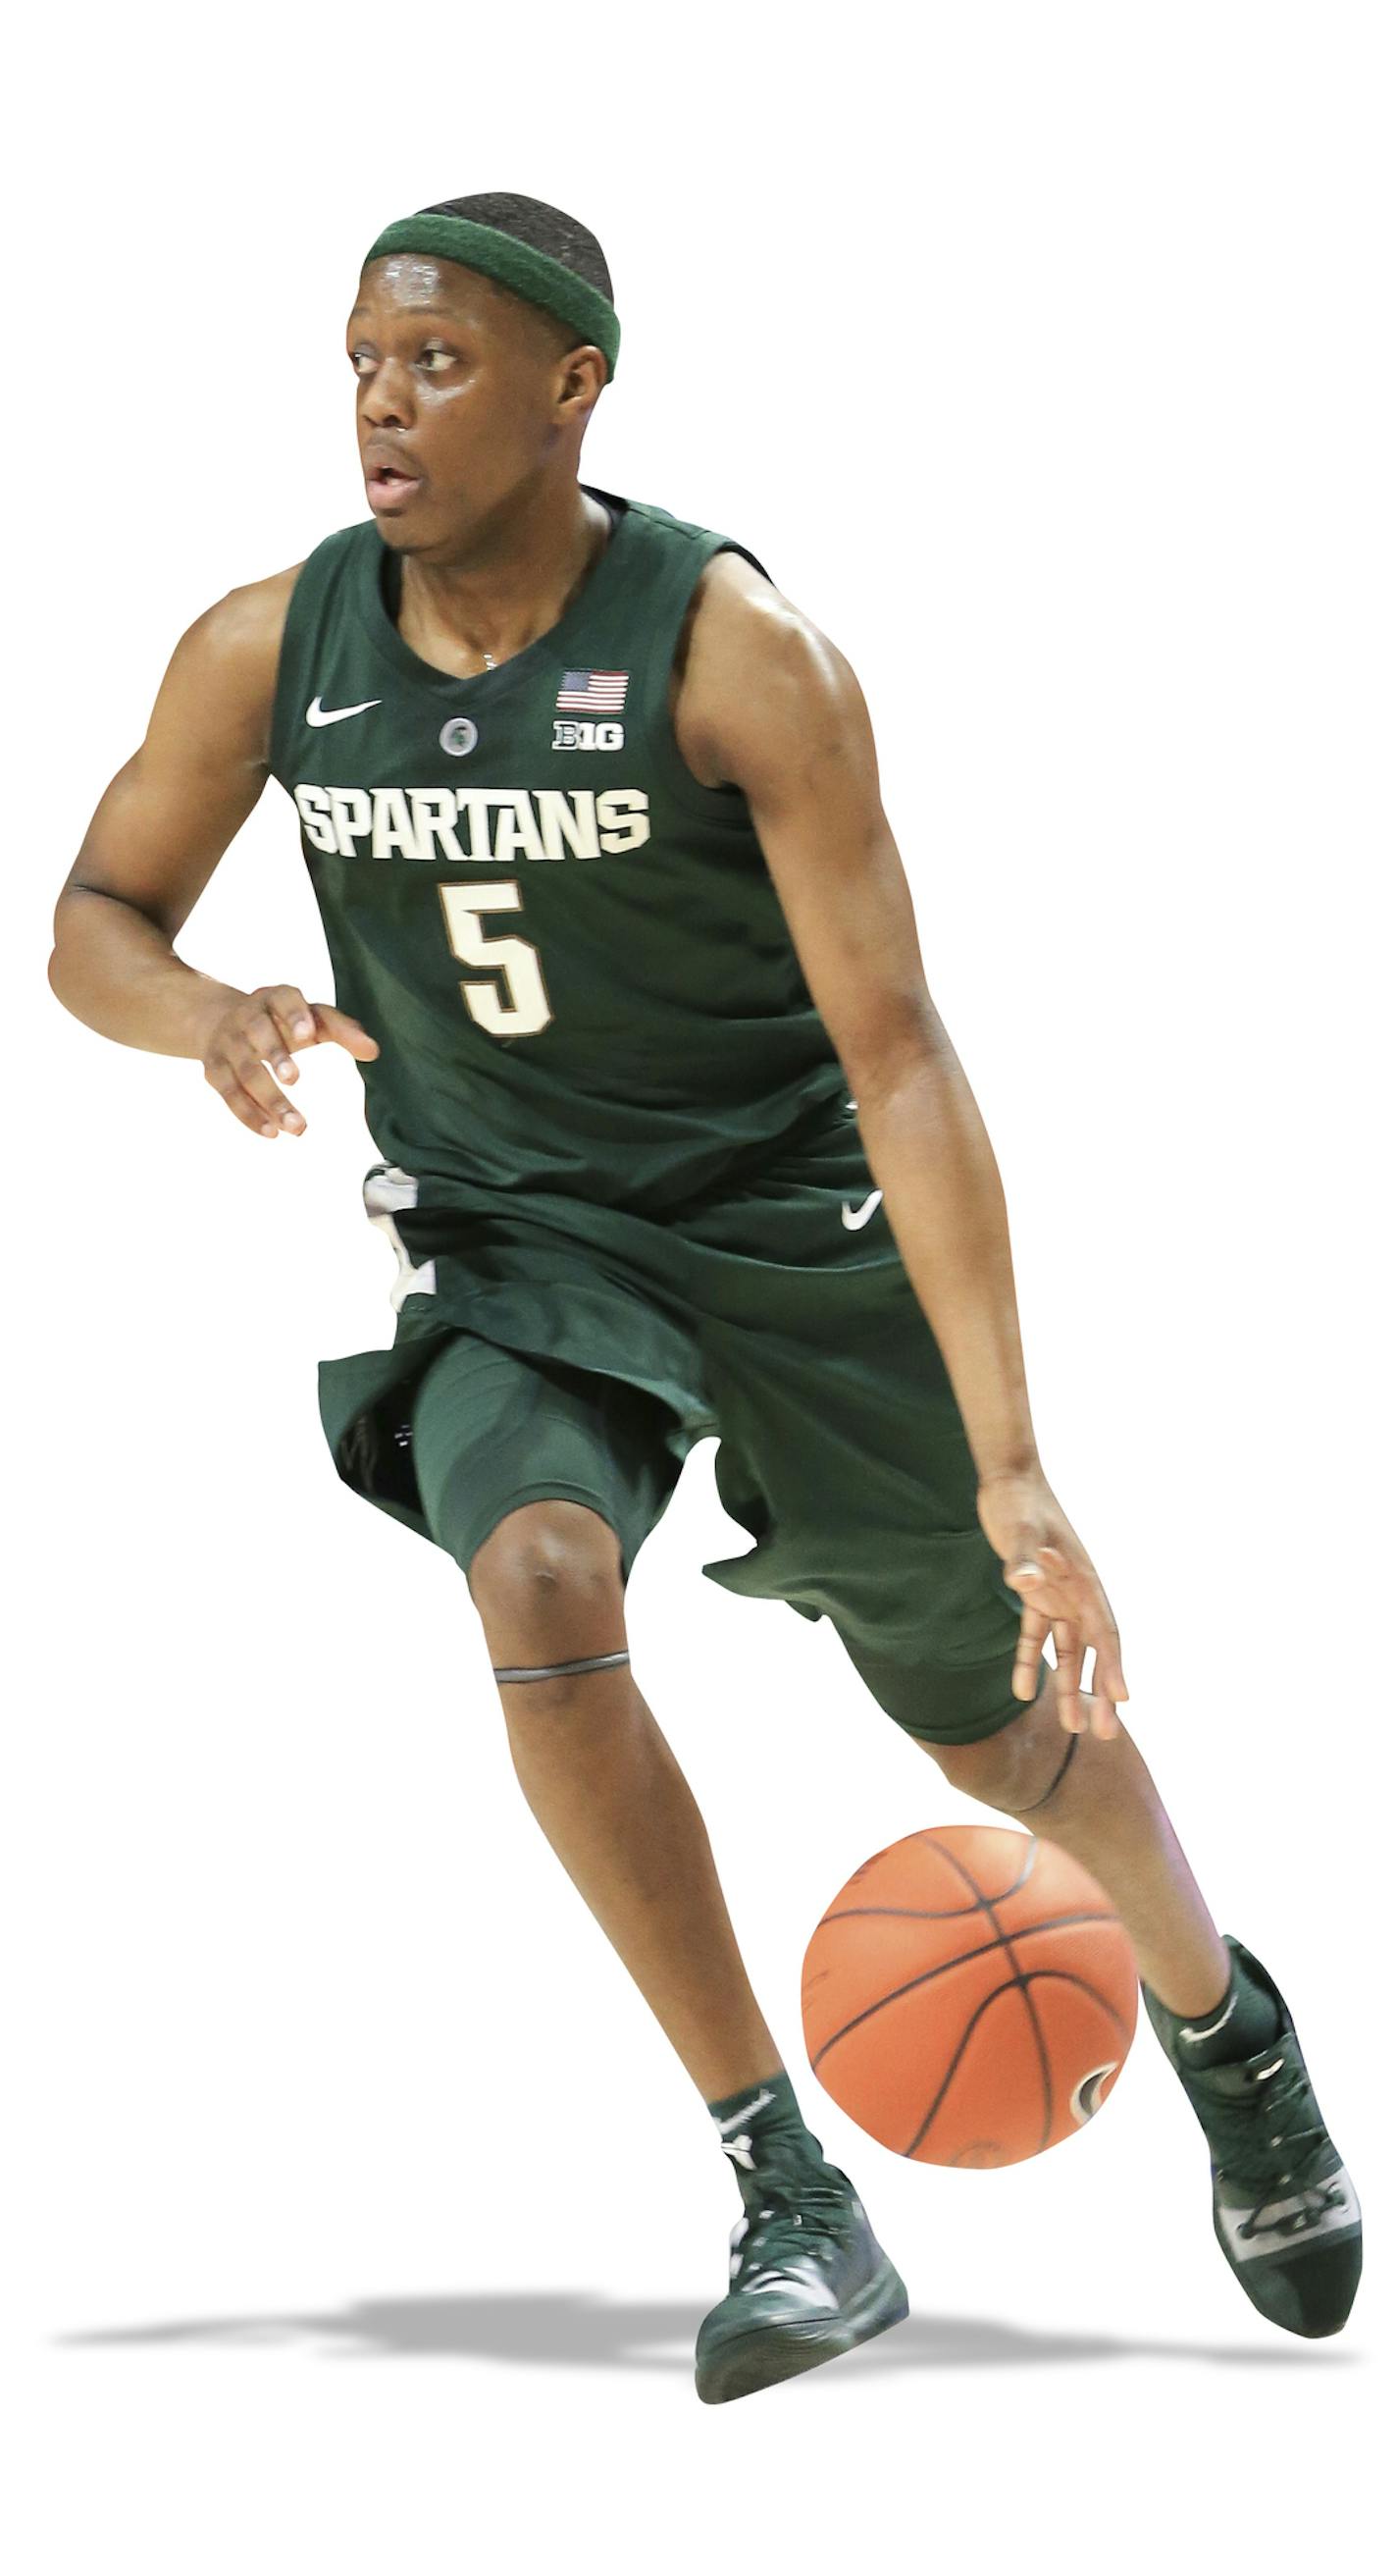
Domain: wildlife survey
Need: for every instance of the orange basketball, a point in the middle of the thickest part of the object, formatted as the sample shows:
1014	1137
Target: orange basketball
969	1997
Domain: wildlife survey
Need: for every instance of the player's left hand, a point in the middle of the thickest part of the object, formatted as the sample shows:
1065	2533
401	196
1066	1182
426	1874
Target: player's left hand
1047	1565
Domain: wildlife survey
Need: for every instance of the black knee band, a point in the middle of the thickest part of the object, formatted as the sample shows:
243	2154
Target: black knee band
546	1672
1072	1743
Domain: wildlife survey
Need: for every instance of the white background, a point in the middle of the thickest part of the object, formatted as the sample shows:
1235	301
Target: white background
361	2217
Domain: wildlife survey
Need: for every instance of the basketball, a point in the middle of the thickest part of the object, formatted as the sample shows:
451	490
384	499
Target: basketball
969	1997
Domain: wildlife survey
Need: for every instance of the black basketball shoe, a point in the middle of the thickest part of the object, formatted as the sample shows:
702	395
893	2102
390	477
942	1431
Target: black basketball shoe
809	2280
1284	2210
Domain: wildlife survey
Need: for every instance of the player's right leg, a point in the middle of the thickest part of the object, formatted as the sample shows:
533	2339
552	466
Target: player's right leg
542	1483
807	2277
604	1784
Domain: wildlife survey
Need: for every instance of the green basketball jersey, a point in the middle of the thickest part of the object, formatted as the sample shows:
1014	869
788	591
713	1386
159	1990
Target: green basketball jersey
570	952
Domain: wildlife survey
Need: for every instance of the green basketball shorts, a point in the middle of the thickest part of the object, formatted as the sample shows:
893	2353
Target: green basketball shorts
492	1430
580	1352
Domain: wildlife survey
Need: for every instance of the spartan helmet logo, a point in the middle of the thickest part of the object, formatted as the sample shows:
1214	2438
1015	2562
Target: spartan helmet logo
458	735
1086	2096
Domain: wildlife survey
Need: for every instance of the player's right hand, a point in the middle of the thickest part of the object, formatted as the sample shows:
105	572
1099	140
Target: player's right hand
265	1028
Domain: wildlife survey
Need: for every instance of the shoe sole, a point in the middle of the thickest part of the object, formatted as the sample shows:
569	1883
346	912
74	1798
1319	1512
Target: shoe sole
775	2352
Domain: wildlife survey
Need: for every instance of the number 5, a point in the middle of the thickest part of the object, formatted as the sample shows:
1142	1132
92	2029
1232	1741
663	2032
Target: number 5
528	1007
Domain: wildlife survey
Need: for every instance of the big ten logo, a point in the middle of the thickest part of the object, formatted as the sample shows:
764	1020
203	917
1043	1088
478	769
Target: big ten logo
573	734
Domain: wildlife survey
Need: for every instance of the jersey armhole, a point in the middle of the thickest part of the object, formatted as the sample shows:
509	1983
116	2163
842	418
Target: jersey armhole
727	804
302	607
287	677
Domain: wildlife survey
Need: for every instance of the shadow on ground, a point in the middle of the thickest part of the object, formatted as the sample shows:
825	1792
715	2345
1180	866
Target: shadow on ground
586	2330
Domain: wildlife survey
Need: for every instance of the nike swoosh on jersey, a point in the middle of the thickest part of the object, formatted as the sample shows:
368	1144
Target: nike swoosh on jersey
318	715
860	1216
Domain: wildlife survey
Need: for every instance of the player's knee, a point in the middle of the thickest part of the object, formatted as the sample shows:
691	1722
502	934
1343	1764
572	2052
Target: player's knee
547	1584
1015	1767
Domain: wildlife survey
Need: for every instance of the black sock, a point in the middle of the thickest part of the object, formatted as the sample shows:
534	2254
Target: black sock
1242	2021
761	2121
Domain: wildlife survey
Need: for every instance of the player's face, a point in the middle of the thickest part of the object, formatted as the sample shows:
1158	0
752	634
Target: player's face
453	384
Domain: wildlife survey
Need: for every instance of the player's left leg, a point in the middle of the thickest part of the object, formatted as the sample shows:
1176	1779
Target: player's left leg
844	1455
1095	1797
1284	2208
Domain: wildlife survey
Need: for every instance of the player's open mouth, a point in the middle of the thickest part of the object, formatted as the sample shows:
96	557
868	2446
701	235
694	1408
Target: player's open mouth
388	489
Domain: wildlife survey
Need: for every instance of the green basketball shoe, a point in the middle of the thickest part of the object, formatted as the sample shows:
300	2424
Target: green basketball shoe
809	2280
1284	2210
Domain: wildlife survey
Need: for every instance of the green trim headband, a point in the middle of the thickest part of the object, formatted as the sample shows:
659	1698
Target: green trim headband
534	274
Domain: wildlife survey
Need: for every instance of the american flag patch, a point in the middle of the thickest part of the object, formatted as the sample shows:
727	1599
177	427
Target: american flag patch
593	692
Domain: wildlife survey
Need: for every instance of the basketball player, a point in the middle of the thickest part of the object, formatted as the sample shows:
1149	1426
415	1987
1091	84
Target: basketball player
673	1144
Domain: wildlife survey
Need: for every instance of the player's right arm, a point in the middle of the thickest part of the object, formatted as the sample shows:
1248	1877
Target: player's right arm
152	845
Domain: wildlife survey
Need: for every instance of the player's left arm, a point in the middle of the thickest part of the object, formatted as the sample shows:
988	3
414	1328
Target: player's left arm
775	708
